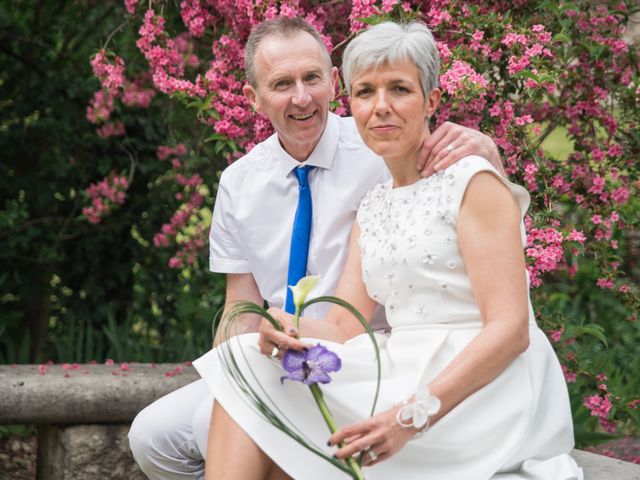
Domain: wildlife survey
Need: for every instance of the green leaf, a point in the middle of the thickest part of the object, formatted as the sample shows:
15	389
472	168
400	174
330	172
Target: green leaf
561	37
216	136
347	306
594	330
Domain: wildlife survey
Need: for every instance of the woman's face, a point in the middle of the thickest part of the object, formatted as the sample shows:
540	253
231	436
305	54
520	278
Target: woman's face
390	110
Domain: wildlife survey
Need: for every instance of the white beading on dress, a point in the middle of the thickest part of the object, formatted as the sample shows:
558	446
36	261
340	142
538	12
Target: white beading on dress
517	427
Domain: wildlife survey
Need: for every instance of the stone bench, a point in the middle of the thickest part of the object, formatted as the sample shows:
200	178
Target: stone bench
83	414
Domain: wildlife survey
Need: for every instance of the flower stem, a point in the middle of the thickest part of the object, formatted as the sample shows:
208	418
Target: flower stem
328	418
297	320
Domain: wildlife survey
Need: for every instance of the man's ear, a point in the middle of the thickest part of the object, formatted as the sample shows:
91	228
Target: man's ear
252	95
335	81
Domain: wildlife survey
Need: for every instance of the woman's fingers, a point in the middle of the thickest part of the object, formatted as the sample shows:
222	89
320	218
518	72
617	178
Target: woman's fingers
359	445
348	431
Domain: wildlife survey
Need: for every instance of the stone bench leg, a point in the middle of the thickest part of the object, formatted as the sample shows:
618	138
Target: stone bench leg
85	452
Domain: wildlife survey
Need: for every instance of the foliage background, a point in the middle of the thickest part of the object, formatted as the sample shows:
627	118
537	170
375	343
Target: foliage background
86	276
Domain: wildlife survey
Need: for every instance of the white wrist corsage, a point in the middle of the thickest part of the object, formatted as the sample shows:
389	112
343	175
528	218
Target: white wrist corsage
416	414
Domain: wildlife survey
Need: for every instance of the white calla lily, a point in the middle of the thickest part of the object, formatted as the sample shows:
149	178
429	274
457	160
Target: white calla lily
302	289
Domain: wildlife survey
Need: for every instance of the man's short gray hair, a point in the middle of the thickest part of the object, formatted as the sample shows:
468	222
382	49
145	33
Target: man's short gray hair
278	27
389	43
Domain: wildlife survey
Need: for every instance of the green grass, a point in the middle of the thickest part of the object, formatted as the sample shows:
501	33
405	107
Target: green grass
558	144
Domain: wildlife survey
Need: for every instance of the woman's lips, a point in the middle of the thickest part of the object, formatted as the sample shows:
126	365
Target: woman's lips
385	128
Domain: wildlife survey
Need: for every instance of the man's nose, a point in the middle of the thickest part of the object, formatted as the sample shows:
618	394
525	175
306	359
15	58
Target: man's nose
301	96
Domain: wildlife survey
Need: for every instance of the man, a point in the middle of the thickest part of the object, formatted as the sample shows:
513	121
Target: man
291	81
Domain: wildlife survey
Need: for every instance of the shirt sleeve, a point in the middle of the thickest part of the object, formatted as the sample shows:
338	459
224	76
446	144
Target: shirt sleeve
226	252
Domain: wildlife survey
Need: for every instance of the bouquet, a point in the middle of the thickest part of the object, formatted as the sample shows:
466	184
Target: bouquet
311	367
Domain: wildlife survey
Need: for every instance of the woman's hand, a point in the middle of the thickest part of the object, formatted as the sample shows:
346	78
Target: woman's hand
379	434
271	339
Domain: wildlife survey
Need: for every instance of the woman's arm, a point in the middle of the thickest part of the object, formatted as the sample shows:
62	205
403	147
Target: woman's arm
339	325
489	238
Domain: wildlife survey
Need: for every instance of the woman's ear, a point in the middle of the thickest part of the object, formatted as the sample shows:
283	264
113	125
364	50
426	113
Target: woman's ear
433	100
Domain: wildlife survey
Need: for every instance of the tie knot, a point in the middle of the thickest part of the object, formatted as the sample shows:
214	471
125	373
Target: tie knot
303	175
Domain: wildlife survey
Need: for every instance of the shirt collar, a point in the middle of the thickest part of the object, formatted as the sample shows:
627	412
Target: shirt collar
322	155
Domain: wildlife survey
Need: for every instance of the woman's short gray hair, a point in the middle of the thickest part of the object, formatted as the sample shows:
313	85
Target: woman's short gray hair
390	42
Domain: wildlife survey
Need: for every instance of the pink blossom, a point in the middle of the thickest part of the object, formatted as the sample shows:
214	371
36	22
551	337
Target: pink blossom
569	377
112	129
100	107
109	361
175	262
523	120
131	5
42	369
605	283
110	73
576	236
556	335
461	78
598	406
620	195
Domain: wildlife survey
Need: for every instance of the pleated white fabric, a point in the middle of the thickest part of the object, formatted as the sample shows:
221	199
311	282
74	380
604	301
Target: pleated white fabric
515	428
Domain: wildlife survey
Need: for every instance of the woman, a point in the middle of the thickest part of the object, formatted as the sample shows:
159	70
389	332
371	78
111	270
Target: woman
444	255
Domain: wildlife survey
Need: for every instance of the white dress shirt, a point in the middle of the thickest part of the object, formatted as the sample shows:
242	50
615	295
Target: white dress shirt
257	200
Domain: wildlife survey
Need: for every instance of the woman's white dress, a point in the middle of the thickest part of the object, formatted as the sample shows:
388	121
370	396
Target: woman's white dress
517	427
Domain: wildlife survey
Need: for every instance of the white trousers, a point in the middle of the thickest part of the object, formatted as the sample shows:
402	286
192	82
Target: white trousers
169	437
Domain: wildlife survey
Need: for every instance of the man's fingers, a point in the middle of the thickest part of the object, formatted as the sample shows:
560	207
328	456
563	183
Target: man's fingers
438	151
425	156
452	157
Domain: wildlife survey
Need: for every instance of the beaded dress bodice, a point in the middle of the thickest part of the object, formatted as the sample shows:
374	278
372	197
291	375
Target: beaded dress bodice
411	261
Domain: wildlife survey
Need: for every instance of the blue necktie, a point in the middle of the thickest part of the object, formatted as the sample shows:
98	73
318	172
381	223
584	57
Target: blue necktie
299	250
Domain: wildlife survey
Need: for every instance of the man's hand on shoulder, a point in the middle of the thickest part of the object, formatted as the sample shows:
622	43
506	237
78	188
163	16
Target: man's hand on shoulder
450	142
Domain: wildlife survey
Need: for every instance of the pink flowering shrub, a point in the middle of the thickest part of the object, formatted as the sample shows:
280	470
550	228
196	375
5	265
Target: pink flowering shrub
105	196
523	72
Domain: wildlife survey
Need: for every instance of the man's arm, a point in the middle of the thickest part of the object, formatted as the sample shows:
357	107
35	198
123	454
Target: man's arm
450	142
240	286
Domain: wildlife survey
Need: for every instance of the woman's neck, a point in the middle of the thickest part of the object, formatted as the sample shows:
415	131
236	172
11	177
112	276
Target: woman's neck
404	166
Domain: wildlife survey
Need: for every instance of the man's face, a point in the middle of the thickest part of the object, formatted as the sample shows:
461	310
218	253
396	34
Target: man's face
294	88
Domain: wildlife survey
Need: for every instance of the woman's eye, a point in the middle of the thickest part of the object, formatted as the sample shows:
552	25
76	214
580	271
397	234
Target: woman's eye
363	92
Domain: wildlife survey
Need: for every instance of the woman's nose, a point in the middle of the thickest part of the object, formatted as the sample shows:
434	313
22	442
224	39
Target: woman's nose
381	104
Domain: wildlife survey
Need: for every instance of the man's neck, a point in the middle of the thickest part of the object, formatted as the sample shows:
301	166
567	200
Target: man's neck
299	152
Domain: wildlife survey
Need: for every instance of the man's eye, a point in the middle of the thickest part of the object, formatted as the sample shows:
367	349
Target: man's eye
279	85
311	77
400	89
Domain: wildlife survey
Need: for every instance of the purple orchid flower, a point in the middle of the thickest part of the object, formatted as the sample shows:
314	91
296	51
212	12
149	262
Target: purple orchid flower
310	366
